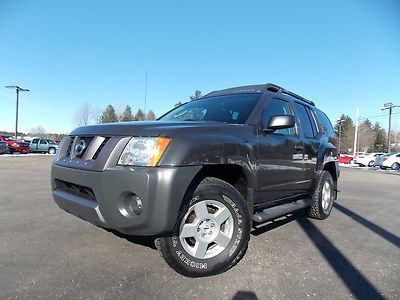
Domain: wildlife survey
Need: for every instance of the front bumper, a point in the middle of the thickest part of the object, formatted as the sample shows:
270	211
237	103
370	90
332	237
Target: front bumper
160	189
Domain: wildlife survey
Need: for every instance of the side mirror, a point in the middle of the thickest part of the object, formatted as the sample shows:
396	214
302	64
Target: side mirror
280	122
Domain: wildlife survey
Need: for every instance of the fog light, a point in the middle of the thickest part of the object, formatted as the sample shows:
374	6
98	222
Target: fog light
130	205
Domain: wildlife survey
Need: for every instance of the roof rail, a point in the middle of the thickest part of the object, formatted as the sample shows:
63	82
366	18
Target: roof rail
278	89
259	88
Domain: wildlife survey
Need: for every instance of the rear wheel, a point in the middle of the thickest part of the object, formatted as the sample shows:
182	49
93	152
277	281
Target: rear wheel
211	233
371	163
323	197
52	150
395	166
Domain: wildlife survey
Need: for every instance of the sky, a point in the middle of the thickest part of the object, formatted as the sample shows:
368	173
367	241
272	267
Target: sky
340	54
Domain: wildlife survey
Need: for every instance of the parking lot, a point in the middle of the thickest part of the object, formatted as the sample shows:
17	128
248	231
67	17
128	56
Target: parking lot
47	253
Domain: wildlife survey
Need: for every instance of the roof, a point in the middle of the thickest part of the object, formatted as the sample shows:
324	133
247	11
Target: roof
259	88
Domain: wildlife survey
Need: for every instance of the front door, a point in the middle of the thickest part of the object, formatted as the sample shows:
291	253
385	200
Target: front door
279	157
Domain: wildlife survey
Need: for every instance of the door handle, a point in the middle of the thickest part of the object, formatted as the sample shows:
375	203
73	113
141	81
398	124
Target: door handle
298	148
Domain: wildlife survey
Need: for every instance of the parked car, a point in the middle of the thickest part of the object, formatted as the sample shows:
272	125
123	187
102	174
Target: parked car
3	147
380	159
43	146
200	175
14	145
393	162
367	160
345	159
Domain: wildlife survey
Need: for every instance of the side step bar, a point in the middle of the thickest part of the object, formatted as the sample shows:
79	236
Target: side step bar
281	210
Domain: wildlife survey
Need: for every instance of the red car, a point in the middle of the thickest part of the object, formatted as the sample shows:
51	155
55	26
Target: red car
15	145
345	159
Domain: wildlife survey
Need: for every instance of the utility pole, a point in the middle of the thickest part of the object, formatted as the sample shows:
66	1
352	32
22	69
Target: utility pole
17	89
356	132
389	106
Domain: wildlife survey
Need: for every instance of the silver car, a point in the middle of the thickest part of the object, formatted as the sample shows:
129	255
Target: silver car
43	146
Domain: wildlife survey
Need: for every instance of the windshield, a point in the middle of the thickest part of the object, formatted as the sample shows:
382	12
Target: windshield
231	109
8	138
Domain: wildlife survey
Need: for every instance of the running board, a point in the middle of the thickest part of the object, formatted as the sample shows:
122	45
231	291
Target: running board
281	210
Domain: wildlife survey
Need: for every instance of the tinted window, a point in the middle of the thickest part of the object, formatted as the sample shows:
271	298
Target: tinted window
324	123
35	141
304	119
233	109
43	142
277	107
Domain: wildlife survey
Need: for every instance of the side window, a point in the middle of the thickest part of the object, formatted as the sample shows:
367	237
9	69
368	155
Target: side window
276	107
35	141
305	122
324	123
43	142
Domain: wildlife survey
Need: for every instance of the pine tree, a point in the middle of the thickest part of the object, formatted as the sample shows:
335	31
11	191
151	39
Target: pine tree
127	115
150	115
140	116
109	115
197	95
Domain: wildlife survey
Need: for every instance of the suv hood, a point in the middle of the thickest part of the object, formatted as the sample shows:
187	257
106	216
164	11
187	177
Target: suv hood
145	128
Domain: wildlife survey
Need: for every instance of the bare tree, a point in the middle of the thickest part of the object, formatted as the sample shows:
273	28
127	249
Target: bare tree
39	131
83	116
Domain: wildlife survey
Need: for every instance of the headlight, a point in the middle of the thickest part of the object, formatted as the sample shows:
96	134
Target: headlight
143	151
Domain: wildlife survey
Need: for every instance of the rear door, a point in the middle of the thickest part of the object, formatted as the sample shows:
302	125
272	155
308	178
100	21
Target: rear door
308	128
43	146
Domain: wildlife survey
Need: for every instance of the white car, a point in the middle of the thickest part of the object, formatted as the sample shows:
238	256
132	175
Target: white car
367	160
392	161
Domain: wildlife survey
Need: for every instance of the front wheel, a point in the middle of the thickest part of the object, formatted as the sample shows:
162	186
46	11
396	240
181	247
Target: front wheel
52	150
371	164
323	197
211	233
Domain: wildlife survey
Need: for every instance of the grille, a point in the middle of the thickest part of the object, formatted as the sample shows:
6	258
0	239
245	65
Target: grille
100	148
76	189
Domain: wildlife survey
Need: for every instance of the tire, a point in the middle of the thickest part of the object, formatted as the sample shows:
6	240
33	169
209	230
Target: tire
383	168
395	166
52	150
323	197
211	233
371	164
10	150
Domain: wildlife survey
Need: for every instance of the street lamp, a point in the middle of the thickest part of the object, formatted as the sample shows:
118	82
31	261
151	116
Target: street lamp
17	89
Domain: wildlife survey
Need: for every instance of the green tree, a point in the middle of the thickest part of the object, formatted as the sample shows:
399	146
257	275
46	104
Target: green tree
127	115
345	127
379	143
196	95
150	115
140	116
109	115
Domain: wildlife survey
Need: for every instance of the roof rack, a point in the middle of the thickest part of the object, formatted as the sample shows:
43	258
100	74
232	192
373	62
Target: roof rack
259	89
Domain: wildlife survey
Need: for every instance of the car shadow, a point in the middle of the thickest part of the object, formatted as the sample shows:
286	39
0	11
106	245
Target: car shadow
146	241
390	237
355	281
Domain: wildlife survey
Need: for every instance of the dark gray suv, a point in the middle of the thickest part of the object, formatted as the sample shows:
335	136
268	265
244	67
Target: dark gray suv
203	173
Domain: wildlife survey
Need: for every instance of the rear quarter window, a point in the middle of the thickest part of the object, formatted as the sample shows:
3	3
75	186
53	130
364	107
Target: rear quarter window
324	124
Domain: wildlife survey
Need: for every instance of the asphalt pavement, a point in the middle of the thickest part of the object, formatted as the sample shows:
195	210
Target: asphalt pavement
47	253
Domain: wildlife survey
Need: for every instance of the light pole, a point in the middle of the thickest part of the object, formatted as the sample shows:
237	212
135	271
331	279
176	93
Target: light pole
389	106
17	89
